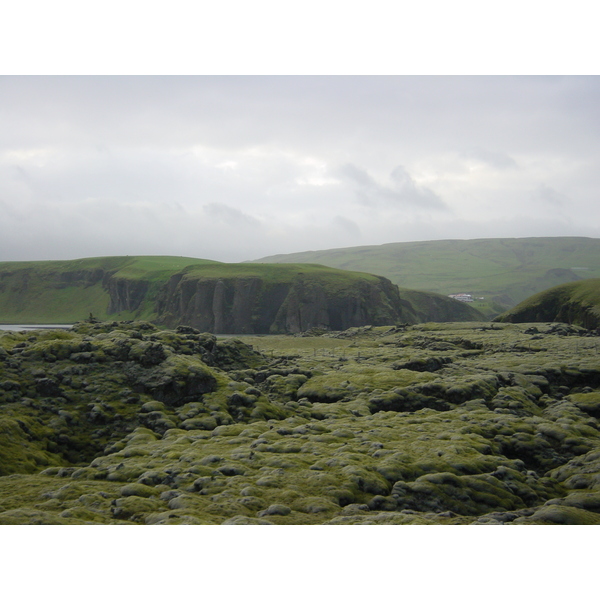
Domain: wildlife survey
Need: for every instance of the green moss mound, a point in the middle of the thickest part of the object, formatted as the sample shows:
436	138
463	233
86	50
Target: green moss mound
460	423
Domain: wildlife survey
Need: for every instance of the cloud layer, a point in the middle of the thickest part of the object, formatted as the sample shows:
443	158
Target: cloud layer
235	168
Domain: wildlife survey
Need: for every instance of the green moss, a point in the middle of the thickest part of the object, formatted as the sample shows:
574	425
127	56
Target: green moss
350	380
20	452
482	439
562	515
588	402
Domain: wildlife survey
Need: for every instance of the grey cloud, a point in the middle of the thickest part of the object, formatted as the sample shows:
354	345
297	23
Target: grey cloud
229	215
359	176
406	190
499	160
550	196
200	165
401	192
228	112
348	226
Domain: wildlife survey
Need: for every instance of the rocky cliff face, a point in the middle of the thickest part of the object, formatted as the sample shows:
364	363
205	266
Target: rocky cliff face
212	297
125	294
81	277
254	305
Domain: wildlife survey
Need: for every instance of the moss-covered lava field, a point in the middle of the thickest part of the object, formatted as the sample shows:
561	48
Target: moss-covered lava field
457	423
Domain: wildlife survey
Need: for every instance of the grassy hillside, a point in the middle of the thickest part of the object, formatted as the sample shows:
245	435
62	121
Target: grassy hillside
277	273
576	303
228	298
503	271
64	291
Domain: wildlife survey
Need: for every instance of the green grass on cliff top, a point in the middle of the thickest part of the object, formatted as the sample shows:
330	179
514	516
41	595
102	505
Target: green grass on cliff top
277	273
131	267
157	267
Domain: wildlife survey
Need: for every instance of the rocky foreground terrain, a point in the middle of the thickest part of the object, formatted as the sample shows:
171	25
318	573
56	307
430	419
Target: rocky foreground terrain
457	423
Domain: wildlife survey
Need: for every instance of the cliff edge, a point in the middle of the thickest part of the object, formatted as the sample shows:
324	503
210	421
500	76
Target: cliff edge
211	296
284	299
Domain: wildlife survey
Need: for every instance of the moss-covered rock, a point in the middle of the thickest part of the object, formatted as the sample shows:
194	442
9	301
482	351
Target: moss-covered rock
177	427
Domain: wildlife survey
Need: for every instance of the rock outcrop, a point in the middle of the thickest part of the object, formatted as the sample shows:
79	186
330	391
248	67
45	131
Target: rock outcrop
256	305
125	294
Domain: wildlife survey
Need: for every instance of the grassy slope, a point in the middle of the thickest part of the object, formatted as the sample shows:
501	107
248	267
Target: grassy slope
333	279
577	302
273	272
512	267
30	292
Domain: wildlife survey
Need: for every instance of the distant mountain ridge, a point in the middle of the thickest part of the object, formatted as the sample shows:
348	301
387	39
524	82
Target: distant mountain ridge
211	296
505	271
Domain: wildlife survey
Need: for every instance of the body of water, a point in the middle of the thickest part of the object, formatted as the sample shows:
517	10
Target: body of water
30	327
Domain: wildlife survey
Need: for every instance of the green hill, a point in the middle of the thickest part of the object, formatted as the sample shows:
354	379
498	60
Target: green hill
213	296
576	303
64	291
503	271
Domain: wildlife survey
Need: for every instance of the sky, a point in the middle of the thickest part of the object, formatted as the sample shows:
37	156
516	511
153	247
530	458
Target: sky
235	168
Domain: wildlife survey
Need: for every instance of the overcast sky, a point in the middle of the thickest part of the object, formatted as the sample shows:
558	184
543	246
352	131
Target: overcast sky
235	168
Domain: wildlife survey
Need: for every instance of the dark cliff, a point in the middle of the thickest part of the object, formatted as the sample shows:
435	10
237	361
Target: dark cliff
290	304
125	294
